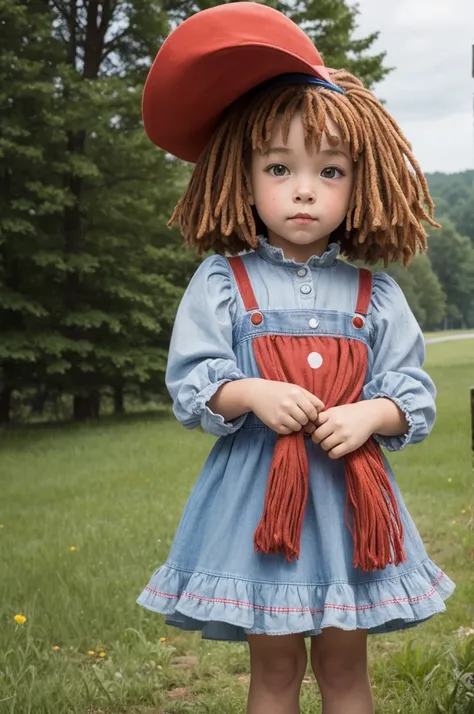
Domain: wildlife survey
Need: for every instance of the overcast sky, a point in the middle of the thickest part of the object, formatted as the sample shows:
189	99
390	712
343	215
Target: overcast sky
430	91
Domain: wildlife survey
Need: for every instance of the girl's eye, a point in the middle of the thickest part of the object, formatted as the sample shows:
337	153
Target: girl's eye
331	172
278	170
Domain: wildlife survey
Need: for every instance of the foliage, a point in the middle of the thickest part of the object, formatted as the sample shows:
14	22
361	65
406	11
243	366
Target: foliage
439	286
90	275
454	197
423	291
452	258
30	199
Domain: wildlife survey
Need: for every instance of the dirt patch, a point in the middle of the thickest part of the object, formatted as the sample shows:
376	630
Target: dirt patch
185	662
179	693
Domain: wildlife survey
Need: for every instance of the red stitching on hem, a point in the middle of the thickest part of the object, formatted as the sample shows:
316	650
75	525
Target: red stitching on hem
157	592
440	577
350	608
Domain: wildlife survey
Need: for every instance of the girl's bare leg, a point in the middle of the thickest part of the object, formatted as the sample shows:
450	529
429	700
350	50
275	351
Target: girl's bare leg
339	662
277	667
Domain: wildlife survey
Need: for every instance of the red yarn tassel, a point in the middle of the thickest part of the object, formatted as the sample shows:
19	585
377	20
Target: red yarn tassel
376	526
279	530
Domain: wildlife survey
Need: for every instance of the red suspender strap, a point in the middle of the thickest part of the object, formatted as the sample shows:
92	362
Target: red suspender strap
250	301
243	283
365	292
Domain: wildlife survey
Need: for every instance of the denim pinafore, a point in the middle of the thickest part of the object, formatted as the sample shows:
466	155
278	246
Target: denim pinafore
214	581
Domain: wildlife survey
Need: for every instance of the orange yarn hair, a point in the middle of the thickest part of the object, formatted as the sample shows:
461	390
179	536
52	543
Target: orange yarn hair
390	199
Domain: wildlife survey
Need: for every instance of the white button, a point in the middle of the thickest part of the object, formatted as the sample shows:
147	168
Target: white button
315	360
314	322
302	272
305	289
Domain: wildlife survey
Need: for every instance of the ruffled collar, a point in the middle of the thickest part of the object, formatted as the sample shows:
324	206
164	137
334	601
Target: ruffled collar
276	256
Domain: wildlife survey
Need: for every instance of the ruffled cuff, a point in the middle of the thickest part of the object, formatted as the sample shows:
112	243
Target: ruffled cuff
215	423
416	425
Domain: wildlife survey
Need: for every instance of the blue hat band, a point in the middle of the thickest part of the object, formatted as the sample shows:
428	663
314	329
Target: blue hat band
285	80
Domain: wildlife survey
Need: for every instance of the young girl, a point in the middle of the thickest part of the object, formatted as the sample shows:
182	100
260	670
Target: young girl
301	363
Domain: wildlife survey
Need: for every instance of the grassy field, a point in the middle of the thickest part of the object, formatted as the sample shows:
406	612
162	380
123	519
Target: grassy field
88	512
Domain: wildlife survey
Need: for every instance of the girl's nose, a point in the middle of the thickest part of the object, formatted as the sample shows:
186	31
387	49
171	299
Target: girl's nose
304	194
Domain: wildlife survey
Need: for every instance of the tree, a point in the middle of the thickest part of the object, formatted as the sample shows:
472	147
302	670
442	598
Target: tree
110	246
405	280
30	199
430	294
453	188
452	257
87	293
330	24
464	218
454	198
422	289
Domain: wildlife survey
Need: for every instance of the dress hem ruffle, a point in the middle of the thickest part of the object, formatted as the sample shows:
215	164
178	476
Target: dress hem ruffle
227	608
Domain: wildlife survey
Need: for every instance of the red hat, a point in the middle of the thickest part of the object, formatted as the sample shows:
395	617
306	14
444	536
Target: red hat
212	59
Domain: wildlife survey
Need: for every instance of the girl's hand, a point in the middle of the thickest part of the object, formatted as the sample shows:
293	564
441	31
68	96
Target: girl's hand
283	407
343	429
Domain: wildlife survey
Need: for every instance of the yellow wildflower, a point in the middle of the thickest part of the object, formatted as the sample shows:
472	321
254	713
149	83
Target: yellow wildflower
163	639
91	652
72	547
450	480
20	619
1	525
101	654
55	648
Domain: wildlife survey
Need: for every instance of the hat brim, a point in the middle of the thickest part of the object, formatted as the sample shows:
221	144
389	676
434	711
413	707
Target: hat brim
188	87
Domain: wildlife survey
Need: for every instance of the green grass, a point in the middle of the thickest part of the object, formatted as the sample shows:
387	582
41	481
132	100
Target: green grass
115	491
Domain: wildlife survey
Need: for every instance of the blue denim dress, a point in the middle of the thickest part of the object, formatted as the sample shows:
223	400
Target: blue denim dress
213	580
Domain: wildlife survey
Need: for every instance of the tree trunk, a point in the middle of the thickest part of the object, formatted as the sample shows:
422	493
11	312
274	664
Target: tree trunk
38	402
5	405
80	409
94	401
87	406
118	400
97	18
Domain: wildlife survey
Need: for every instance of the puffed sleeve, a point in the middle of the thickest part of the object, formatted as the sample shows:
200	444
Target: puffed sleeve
398	355
201	358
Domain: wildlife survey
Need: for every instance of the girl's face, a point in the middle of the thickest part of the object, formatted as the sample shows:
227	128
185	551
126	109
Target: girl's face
301	196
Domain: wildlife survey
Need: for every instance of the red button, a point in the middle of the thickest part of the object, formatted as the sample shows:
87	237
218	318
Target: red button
257	318
358	322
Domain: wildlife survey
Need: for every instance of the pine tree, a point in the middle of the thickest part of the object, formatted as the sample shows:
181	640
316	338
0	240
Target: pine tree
111	253
30	199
